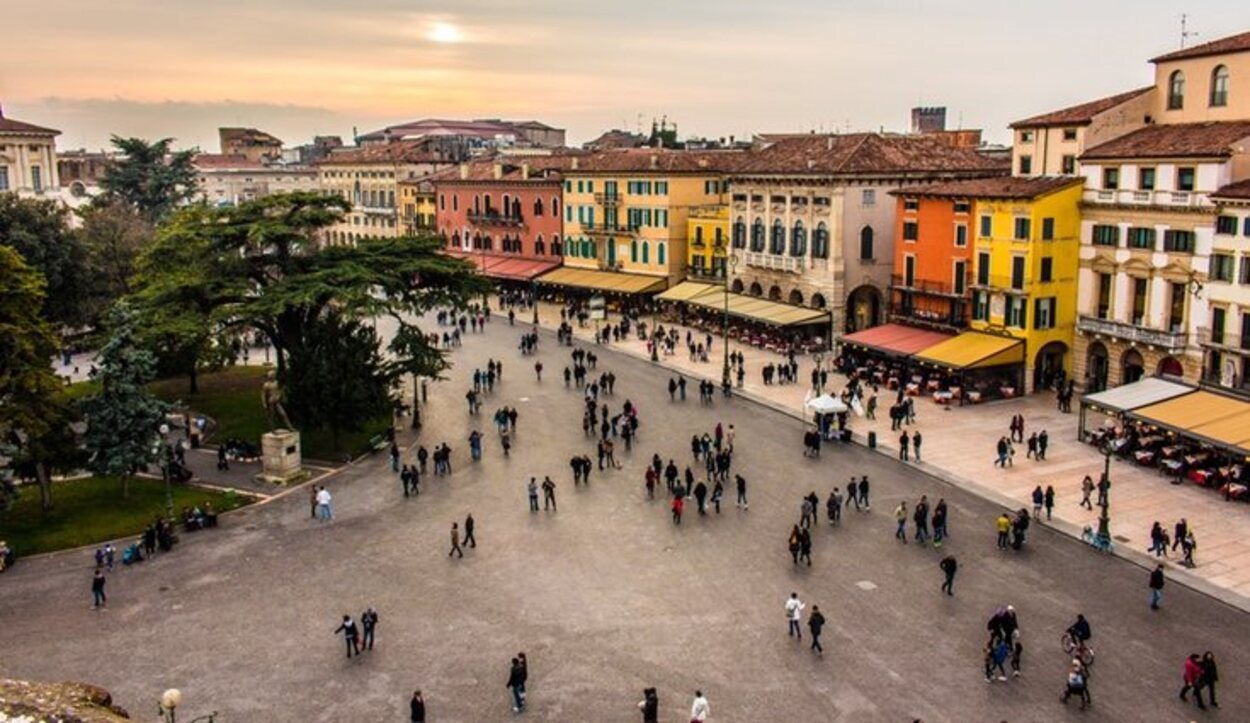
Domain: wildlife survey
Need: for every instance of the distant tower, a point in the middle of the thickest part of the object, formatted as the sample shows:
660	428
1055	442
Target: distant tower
928	119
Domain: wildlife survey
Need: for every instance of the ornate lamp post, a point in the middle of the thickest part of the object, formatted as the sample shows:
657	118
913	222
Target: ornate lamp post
1103	538
168	706
728	261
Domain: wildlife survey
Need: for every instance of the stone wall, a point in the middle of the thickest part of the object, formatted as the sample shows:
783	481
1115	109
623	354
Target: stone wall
58	702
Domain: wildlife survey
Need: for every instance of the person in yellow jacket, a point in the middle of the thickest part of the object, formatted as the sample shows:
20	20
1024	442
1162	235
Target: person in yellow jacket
1003	523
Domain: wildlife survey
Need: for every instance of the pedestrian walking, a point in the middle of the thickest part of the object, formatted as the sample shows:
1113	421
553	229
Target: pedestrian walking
742	491
324	510
416	706
996	652
718	493
1210	676
516	682
223	462
368	623
699	709
650	706
549	494
904	445
1003	524
900	516
816	623
795	544
1078	684
533	494
679	503
1039	499
312	500
469	539
97	589
863	493
794	613
1087	488
939	523
350	635
805	546
1192	677
455	541
1156	587
915	443
538	370
949	567
1048	500
852	493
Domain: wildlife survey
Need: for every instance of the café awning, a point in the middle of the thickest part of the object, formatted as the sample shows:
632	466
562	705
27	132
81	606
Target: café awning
1204	415
896	339
773	313
687	290
605	281
974	350
1142	393
498	266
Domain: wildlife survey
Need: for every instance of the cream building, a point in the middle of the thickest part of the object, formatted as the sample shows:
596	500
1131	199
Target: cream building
1051	143
27	158
369	178
812	222
231	180
1225	338
1207	82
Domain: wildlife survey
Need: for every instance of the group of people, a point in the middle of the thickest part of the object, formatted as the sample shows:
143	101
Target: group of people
1184	538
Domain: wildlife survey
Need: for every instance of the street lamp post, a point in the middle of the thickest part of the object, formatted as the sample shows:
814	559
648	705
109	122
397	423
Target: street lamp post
167	707
1103	539
727	260
534	299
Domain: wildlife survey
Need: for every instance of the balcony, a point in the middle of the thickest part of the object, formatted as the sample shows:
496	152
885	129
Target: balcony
1234	343
954	319
1170	341
616	229
703	273
789	264
608	199
497	220
377	210
1002	283
927	287
1125	197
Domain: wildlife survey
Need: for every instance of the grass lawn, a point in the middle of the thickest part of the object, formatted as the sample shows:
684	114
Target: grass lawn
92	510
232	397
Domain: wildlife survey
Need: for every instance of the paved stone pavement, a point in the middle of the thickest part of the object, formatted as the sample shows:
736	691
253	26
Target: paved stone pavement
959	445
607	596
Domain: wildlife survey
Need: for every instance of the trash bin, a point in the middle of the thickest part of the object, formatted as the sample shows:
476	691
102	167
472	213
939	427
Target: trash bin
872	440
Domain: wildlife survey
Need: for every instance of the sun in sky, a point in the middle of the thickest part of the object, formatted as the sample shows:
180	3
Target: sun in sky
444	32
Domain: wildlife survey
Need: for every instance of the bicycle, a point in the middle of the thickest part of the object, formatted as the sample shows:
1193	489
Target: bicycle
1078	649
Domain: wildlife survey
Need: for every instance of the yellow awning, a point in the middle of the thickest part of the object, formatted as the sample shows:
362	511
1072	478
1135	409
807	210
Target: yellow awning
762	310
609	281
1233	430
973	350
1195	411
688	290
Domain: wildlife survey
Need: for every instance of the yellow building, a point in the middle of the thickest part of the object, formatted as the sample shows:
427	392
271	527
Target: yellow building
417	209
707	242
368	178
627	210
1025	264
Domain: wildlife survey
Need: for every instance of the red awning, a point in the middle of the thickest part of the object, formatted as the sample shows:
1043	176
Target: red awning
896	339
505	267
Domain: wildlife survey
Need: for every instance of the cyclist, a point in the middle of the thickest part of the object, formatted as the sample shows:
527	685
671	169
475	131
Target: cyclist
1080	631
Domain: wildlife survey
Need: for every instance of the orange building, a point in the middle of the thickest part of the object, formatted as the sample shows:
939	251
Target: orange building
932	260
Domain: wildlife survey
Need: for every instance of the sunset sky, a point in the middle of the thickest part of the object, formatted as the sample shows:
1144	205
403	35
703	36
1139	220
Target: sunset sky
717	67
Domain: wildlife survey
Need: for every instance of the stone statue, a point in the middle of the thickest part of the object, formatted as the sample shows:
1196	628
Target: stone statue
271	397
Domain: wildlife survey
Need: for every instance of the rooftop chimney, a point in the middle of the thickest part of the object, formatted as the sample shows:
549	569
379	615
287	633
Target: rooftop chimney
498	171
829	143
655	161
573	164
464	171
525	171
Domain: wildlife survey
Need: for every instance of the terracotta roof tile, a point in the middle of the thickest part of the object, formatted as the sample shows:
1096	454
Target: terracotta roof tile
1231	44
1081	114
1239	191
1184	140
224	160
864	153
412	151
656	160
542	169
1005	187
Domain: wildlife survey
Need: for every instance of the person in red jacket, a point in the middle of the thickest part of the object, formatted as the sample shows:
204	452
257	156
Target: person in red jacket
1193	679
679	504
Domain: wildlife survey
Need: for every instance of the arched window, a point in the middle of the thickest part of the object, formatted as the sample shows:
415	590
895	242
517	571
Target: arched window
486	205
540	248
477	204
1176	90
1219	86
778	245
796	297
646	252
659	253
555	207
538	207
757	235
477	241
507	206
556	248
865	243
740	234
756	289
798	240
820	241
356	193
611	252
633	252
455	239
516	209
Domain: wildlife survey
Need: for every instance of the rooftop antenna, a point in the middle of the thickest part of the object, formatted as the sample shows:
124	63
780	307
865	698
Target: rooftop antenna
1186	33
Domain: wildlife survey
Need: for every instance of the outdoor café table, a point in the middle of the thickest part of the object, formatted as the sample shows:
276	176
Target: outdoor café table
1144	456
1171	450
1172	465
1193	459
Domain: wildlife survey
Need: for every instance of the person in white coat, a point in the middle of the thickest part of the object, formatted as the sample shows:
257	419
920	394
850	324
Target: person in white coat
699	710
794	613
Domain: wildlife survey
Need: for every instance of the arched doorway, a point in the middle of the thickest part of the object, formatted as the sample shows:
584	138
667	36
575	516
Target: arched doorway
774	293
1170	366
796	297
756	289
863	308
1048	368
1132	367
736	286
818	301
1096	367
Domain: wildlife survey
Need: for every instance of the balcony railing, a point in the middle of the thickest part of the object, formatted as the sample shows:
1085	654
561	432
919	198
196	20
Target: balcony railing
1169	340
1126	197
378	210
955	319
1002	283
617	229
1226	342
704	273
608	199
928	287
495	219
791	264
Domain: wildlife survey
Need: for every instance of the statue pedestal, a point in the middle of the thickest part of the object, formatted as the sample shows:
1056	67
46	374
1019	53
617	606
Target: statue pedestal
280	457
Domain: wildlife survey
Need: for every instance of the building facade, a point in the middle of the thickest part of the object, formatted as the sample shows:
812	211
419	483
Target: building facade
27	158
707	236
256	146
231	180
1052	143
1225	340
813	224
502	207
368	178
930	286
418	209
1024	271
628	210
